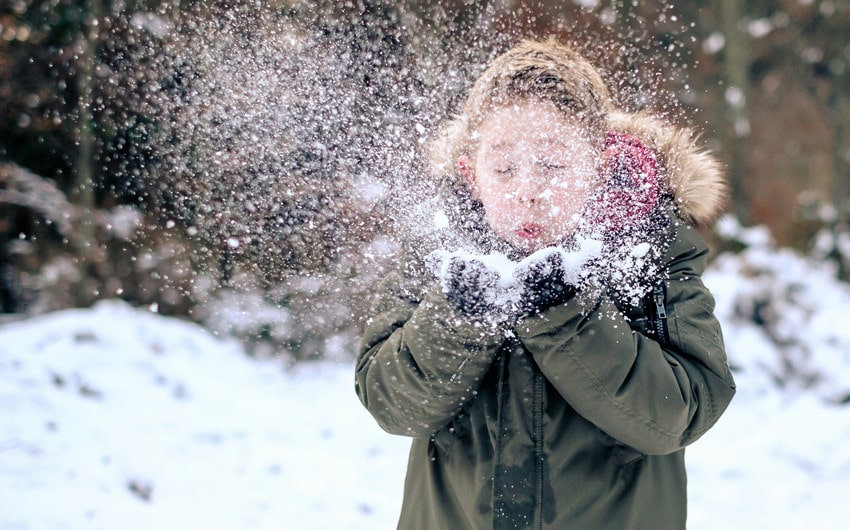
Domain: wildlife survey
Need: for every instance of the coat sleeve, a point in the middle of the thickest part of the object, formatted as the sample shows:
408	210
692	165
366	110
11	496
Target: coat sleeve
420	362
655	399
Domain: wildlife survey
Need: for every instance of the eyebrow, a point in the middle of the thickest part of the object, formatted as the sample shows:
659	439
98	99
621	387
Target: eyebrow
546	142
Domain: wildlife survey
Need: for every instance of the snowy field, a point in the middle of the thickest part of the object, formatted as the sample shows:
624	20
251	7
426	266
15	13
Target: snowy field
115	417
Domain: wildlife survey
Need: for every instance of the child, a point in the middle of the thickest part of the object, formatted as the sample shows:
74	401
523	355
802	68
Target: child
565	352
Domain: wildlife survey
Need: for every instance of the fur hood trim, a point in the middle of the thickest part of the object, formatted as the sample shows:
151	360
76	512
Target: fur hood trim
691	174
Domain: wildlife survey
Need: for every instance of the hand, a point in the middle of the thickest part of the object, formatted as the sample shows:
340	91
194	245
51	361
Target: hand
470	286
543	283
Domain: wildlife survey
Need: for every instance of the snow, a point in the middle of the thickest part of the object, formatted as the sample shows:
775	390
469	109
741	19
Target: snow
508	270
100	402
507	288
760	27
714	43
116	417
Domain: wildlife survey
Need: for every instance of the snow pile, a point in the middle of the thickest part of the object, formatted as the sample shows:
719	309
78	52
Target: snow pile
115	417
790	308
778	458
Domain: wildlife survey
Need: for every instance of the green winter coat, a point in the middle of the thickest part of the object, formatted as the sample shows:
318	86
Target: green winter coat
572	419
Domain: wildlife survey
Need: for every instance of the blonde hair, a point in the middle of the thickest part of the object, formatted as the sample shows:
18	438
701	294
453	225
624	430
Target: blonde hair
548	71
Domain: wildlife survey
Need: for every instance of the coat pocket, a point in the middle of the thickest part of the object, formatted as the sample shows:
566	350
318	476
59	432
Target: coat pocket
624	454
444	439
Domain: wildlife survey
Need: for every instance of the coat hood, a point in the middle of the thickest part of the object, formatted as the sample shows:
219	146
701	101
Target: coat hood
690	173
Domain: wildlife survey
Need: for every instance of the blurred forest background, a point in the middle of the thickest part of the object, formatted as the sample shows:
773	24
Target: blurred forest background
239	163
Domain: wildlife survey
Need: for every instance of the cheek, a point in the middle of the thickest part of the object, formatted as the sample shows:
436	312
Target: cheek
500	210
496	205
570	197
575	187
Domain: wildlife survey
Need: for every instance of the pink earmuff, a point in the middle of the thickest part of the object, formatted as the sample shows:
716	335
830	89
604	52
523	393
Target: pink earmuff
630	170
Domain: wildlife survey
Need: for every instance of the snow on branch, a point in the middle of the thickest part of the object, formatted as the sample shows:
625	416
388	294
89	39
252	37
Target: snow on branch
23	188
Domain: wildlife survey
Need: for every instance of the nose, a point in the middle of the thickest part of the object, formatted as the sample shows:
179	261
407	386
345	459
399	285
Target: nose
528	187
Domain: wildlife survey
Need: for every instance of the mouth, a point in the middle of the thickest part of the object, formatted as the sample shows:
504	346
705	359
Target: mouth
529	231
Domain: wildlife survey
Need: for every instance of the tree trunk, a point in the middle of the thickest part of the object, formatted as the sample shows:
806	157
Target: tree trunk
82	189
735	65
839	173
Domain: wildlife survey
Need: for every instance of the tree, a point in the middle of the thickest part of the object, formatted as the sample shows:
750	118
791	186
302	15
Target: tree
735	69
83	182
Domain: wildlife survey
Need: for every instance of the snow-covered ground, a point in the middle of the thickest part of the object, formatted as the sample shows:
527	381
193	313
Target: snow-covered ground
115	417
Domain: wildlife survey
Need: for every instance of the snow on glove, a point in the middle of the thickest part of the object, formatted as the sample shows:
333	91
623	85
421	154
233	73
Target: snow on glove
470	286
502	289
544	282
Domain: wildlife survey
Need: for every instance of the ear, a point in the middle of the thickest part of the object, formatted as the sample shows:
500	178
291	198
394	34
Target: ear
464	167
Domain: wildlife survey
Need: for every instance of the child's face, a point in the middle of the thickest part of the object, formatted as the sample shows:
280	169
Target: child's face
534	170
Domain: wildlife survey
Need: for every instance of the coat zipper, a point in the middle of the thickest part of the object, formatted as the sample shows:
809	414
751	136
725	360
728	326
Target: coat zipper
537	432
498	501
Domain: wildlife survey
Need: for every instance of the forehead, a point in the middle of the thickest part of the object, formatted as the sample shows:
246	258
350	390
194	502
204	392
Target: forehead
529	121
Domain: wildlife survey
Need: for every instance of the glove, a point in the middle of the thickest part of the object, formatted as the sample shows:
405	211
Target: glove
470	286
543	283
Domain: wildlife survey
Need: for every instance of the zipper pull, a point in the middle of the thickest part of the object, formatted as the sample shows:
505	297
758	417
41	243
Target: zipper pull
658	296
